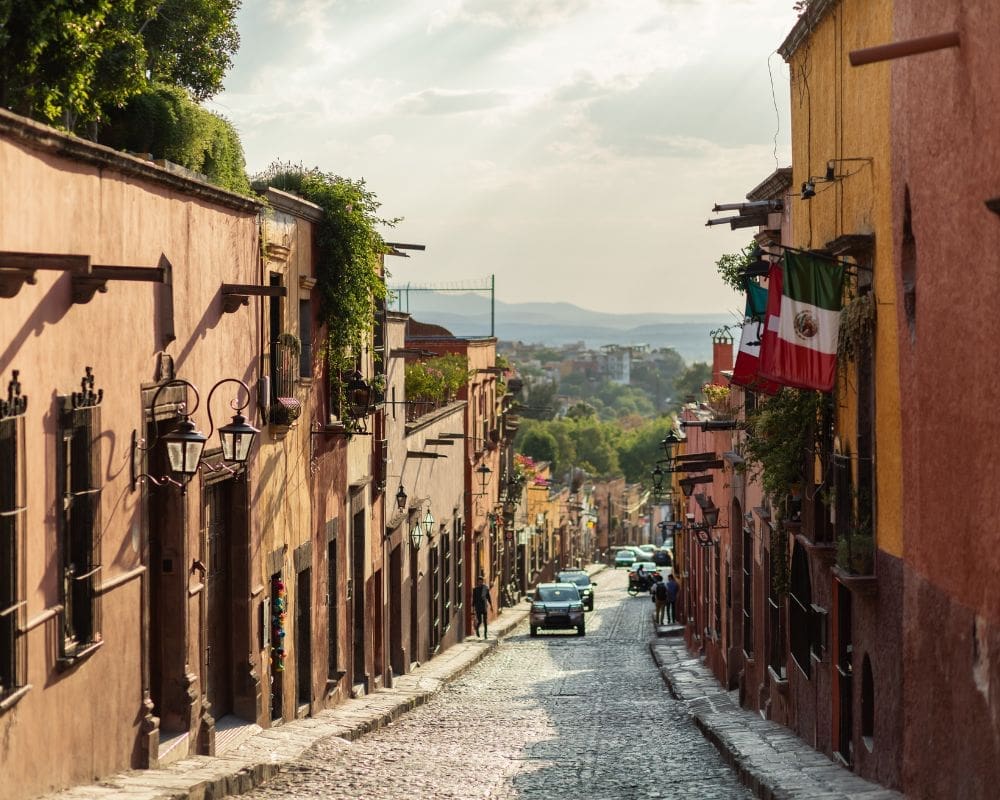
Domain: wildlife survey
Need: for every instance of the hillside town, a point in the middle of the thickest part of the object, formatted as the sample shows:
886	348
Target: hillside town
261	533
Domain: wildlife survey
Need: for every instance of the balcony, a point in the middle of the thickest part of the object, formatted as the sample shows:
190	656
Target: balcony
284	367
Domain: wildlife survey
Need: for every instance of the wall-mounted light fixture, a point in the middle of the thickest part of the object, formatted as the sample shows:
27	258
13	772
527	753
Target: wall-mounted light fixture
657	476
484	473
416	534
428	523
185	443
359	396
671	441
401	498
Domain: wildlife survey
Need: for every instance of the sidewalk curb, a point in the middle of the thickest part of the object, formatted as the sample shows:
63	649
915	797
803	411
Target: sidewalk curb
753	776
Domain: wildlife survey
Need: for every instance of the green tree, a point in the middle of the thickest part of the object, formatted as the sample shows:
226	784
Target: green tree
541	445
731	265
191	43
65	61
72	62
539	399
640	449
692	379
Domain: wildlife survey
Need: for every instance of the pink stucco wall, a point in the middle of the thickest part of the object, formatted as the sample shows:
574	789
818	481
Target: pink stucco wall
59	195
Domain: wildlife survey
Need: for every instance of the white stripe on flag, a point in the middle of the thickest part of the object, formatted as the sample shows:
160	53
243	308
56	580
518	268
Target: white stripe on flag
750	340
806	325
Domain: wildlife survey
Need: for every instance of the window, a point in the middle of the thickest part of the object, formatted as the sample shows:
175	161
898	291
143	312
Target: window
446	593
776	626
800	620
332	631
717	618
305	339
435	596
457	526
748	591
13	653
80	486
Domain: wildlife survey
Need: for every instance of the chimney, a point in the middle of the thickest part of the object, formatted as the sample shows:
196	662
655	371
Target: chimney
722	357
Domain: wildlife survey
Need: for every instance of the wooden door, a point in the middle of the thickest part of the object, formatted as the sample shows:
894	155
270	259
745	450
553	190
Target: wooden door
219	613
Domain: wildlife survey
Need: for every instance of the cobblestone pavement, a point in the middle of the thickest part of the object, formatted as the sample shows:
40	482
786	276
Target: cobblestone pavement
556	716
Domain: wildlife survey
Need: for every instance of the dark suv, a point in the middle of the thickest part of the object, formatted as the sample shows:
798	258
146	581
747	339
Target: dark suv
582	581
555	606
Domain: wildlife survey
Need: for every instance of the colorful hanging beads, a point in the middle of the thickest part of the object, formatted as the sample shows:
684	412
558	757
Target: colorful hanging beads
279	612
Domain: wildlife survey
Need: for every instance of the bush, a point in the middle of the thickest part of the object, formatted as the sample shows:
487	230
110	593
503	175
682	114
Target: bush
167	123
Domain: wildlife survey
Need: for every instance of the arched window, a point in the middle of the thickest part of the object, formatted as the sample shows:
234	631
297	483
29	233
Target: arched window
800	610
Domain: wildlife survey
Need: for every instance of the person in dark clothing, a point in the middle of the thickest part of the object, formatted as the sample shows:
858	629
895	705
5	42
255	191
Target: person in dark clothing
480	600
672	589
660	595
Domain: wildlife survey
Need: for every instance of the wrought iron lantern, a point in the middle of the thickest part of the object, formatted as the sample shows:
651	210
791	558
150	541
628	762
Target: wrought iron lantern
360	396
401	498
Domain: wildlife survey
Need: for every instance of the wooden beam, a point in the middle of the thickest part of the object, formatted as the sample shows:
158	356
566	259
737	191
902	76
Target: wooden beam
909	47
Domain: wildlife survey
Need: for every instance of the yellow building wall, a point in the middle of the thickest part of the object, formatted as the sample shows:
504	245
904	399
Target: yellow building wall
842	112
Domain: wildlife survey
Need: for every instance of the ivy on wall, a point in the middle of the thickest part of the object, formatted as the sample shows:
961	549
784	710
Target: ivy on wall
349	266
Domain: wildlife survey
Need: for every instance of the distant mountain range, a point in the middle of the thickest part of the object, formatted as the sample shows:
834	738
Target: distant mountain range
468	314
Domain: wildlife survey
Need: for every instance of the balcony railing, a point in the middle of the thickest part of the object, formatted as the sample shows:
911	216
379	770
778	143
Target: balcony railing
284	370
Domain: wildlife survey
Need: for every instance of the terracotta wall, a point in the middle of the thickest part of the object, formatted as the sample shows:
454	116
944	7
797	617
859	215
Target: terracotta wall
945	165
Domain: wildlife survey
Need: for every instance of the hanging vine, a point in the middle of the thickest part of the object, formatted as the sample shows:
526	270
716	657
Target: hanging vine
349	266
857	326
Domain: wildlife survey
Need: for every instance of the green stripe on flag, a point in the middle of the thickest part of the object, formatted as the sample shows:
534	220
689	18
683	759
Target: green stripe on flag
813	280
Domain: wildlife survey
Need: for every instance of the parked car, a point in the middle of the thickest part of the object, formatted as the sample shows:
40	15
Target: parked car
583	583
662	557
556	606
625	557
645	551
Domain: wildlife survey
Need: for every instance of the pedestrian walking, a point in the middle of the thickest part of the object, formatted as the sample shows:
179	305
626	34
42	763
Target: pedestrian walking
660	596
672	588
480	600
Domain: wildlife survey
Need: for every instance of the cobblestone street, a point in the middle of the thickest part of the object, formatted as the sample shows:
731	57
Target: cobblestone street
554	717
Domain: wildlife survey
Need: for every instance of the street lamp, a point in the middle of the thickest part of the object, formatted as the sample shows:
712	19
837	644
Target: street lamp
484	473
359	396
185	443
416	534
657	476
672	440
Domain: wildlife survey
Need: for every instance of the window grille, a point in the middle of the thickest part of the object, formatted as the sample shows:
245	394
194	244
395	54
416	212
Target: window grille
80	478
13	642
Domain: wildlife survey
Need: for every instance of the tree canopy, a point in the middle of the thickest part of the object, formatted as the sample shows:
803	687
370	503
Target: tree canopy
72	62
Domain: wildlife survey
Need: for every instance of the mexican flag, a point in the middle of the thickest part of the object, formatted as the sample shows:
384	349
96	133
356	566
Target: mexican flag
804	353
769	335
748	356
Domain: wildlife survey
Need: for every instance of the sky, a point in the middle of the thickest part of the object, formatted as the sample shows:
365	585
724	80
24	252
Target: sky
572	148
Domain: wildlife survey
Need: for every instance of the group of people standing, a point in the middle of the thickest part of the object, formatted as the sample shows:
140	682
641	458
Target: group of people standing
664	594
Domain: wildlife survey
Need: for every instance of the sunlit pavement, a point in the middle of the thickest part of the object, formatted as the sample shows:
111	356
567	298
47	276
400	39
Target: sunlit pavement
557	716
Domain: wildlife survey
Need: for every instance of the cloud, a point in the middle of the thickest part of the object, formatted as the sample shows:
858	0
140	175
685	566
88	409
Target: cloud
443	101
517	14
